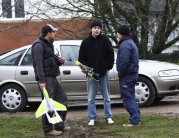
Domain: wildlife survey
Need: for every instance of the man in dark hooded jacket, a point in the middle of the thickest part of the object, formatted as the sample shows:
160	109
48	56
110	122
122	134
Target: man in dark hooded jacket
127	66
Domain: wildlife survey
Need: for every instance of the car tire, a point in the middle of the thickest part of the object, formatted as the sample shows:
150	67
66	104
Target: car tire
12	98
145	92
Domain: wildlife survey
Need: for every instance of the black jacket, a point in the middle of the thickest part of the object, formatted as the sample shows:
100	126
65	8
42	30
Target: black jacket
97	53
44	62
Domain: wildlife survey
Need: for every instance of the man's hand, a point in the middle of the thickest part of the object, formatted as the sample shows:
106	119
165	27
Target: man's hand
61	60
42	86
84	71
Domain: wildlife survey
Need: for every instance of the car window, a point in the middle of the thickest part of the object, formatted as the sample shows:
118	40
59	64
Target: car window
27	60
70	52
12	59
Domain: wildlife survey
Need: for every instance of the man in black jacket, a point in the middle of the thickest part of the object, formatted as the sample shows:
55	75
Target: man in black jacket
46	68
96	51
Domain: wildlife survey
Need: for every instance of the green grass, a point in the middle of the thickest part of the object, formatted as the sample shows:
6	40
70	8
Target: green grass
152	127
20	127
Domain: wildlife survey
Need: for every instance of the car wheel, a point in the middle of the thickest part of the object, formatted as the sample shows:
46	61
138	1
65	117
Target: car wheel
145	92
12	98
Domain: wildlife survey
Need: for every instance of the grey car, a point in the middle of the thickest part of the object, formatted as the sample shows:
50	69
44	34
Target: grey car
18	87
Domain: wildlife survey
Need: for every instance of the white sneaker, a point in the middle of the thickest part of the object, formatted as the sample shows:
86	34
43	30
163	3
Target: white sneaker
91	123
110	121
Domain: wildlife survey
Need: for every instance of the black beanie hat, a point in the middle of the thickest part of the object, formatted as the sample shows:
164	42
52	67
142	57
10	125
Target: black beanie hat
96	22
123	30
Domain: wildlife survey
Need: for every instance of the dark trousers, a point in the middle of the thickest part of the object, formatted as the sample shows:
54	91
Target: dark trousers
127	89
55	92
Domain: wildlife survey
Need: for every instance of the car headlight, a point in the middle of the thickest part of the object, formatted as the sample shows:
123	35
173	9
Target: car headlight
166	73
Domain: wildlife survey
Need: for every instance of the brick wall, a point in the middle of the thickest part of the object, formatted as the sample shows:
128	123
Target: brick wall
16	34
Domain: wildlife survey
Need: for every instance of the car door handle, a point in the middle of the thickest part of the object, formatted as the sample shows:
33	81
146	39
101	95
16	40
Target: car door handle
24	72
66	72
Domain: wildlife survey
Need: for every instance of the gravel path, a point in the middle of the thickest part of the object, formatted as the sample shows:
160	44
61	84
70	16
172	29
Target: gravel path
168	106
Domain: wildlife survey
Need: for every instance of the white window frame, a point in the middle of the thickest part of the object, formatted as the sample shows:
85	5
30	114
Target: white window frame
13	12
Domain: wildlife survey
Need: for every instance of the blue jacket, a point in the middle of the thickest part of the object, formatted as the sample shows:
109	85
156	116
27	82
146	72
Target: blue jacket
127	57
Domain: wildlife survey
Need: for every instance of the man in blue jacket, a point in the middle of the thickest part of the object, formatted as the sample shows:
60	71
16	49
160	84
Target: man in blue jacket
127	66
96	51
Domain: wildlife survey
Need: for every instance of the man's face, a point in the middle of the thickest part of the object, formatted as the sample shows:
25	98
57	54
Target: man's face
51	35
119	35
95	31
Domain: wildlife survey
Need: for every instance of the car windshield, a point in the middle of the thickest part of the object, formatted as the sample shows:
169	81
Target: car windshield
12	59
27	60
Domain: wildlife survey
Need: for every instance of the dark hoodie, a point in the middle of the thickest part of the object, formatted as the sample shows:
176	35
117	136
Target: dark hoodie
97	53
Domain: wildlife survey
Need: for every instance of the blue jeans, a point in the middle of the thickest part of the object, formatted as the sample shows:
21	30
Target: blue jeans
92	87
127	89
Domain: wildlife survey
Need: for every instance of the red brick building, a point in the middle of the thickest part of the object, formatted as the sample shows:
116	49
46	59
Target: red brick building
16	34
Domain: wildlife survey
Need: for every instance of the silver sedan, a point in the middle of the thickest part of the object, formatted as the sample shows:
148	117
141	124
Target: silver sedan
18	87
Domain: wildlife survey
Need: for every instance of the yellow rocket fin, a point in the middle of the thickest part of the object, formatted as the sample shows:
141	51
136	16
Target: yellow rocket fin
45	94
59	106
48	105
41	110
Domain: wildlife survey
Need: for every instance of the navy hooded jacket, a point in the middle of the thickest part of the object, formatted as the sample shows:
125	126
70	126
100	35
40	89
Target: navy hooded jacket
127	57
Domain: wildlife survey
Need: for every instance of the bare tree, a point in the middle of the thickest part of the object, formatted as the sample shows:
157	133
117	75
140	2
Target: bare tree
58	12
152	22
